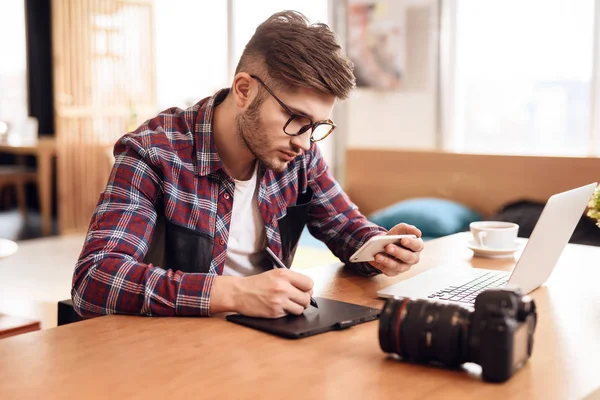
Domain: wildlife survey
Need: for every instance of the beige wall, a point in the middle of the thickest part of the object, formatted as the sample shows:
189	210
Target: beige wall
398	120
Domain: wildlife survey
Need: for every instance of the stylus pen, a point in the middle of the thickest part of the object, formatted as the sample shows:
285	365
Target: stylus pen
279	264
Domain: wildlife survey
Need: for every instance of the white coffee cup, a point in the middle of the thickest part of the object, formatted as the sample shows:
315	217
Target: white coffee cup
497	235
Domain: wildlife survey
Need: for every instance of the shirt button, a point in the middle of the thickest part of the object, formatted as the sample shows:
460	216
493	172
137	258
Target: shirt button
226	195
221	242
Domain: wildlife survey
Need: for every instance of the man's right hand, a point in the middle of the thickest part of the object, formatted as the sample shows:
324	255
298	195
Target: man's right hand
271	294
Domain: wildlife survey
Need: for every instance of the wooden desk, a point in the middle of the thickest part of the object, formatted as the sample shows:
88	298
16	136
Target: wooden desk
44	150
122	356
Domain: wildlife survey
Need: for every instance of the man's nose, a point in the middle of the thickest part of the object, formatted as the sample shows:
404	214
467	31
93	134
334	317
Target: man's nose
302	141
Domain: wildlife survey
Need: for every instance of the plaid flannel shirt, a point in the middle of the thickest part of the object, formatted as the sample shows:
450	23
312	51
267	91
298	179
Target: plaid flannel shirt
171	161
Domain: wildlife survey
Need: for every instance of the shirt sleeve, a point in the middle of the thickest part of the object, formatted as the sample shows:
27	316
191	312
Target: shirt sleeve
110	277
334	219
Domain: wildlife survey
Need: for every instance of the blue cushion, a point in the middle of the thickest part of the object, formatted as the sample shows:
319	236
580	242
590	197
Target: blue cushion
434	217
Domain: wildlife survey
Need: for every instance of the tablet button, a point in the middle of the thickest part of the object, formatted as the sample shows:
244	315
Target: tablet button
344	324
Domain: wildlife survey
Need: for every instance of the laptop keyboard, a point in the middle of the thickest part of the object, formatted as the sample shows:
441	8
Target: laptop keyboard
466	293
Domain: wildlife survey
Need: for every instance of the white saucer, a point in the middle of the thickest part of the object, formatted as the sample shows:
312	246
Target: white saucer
493	253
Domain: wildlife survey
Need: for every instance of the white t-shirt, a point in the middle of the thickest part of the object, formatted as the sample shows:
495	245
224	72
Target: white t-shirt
246	231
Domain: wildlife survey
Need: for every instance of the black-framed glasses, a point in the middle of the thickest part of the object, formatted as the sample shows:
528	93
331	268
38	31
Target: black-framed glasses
298	124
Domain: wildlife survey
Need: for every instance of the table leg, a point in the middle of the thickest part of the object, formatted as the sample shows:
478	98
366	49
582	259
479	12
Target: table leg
45	191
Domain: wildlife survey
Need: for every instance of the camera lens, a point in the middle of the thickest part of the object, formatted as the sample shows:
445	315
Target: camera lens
390	317
423	331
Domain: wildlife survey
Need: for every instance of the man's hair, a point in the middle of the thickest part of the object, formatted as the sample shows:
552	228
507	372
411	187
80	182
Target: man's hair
294	53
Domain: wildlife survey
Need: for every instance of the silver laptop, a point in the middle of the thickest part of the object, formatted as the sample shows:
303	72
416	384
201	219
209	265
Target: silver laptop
547	241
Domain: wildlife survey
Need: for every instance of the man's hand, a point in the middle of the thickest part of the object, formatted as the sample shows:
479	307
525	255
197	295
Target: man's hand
272	294
398	259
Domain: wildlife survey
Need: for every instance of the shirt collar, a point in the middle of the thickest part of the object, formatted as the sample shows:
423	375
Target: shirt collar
206	150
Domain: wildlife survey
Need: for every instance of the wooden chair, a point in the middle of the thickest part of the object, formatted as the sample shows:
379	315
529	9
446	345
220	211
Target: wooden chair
18	176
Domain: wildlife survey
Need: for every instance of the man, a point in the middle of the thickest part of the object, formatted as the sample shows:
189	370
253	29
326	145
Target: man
196	195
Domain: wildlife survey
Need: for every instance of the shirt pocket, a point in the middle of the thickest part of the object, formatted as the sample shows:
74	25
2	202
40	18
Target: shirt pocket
292	224
179	248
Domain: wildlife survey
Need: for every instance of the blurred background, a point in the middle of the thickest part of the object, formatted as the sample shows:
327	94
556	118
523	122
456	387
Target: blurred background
486	76
468	94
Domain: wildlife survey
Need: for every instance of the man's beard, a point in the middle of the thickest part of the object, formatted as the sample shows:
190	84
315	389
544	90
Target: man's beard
251	131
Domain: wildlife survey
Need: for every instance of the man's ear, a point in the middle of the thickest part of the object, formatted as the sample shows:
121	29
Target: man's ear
244	90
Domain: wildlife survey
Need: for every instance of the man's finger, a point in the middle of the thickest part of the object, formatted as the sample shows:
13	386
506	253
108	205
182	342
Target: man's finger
405	229
300	281
413	244
398	269
400	253
389	266
387	262
396	272
293	308
299	297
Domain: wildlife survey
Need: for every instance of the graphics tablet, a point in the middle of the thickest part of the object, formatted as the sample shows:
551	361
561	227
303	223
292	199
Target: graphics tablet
331	315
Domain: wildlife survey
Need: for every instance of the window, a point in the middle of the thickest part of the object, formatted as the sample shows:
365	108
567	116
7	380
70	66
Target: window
521	77
195	56
191	50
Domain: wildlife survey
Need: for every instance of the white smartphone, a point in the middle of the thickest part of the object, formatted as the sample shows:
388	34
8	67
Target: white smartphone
376	245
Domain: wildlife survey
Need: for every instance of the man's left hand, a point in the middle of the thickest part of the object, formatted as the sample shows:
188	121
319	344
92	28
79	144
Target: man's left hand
398	259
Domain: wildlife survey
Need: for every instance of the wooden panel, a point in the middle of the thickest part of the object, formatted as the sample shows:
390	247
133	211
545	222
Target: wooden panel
104	87
378	178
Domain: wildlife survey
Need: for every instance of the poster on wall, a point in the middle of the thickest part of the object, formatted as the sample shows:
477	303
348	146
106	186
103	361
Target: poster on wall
377	42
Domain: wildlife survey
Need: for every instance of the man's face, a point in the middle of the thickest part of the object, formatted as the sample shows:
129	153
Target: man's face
260	126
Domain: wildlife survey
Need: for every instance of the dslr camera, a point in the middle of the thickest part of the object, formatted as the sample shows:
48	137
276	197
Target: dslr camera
497	334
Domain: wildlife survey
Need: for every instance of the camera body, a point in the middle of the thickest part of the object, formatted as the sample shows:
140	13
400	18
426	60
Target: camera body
502	330
497	334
